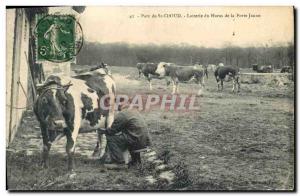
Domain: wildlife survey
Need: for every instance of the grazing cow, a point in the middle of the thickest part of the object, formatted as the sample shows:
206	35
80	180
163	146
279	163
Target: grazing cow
181	74
148	69
286	69
232	72
262	68
66	106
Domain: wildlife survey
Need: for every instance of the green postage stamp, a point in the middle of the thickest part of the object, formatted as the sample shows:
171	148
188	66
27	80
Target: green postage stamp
55	38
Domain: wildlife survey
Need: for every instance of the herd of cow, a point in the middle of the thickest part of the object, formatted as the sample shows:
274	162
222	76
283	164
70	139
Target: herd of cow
182	74
67	105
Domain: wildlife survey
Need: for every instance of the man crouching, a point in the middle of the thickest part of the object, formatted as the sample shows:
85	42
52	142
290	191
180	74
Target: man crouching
127	133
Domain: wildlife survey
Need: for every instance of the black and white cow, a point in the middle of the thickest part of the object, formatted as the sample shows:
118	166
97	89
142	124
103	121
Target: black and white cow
66	106
181	74
148	70
227	71
286	69
262	68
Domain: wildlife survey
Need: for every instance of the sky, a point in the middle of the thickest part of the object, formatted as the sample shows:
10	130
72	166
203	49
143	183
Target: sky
271	25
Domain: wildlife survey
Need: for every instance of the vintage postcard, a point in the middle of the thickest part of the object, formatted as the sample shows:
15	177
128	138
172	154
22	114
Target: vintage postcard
150	98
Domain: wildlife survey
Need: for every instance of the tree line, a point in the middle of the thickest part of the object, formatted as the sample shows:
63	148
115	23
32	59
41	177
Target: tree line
124	54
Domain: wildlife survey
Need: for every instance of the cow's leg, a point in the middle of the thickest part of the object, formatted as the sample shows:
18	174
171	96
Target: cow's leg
70	149
149	80
46	146
148	77
175	86
71	133
150	85
109	122
201	84
218	82
222	81
100	146
102	142
45	154
233	84
238	83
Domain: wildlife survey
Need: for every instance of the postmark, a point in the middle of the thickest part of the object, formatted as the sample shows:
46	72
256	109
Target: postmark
58	38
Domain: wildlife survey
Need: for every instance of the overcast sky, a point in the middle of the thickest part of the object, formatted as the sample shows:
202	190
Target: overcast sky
113	24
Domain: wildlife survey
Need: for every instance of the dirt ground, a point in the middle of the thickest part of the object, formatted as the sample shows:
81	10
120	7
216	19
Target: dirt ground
241	141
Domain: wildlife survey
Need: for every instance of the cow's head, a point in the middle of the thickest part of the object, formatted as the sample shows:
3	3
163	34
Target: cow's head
102	68
52	102
102	65
162	69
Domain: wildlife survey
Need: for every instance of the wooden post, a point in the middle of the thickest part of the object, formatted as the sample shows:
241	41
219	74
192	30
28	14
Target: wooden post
15	68
31	79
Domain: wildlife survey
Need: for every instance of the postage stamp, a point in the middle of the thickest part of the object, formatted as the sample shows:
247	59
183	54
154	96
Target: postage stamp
56	38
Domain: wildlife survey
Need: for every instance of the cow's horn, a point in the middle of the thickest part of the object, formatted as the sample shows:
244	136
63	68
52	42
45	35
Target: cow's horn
68	84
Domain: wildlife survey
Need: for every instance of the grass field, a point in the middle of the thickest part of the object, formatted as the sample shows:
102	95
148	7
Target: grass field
241	141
